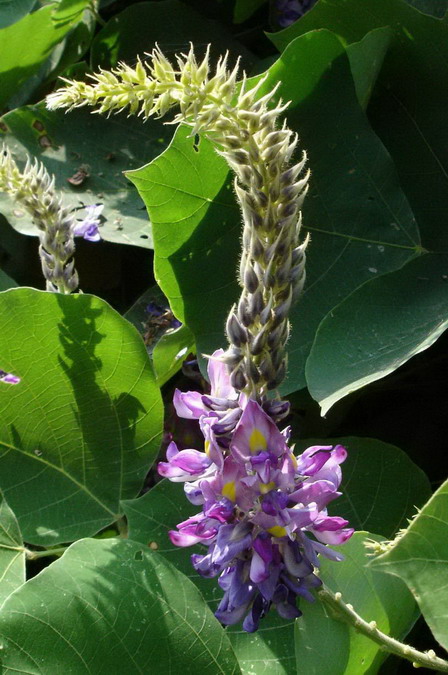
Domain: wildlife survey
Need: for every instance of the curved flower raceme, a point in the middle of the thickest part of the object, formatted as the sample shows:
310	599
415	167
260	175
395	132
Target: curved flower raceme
264	513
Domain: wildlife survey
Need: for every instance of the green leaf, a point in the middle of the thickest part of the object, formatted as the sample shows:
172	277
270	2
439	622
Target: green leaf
12	552
377	328
81	429
323	645
360	221
170	352
408	106
266	652
6	281
138	613
370	474
13	10
366	59
169	23
167	347
245	8
436	8
25	46
104	148
419	557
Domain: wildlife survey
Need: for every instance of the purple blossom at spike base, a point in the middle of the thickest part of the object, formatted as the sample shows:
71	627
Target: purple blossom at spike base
264	516
291	10
8	378
88	228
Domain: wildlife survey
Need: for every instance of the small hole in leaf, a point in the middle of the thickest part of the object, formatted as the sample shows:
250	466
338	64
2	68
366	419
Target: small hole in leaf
143	236
138	555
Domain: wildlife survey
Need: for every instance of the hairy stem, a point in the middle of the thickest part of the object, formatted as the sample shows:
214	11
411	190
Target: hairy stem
345	612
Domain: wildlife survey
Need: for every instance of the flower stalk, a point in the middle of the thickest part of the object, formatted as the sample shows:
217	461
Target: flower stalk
244	126
345	612
264	519
34	189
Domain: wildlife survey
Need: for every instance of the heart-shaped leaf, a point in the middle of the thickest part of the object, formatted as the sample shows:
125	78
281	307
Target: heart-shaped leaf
377	328
25	47
81	429
12	552
112	606
419	557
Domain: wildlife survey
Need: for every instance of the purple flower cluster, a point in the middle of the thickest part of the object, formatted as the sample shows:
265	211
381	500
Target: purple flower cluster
264	517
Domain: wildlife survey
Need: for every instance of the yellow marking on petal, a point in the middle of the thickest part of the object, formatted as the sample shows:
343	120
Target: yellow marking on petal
293	460
207	448
229	490
257	441
267	487
278	531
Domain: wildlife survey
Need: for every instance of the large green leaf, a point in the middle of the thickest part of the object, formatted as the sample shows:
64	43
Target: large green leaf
81	429
323	645
12	552
112	606
408	105
366	59
419	557
377	328
13	10
69	50
360	221
26	45
105	147
370	474
169	23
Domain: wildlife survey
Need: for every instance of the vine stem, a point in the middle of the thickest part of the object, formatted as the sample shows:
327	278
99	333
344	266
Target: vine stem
345	612
34	555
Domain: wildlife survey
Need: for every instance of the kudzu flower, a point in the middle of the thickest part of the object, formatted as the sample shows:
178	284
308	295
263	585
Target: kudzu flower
264	513
264	518
8	378
34	189
88	228
291	10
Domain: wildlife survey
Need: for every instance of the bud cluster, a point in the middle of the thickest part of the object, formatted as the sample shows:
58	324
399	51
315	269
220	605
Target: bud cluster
244	126
34	190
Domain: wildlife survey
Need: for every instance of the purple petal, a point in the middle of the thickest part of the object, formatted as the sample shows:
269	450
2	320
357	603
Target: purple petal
255	433
230	542
189	404
296	564
256	612
9	378
320	491
219	377
313	459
